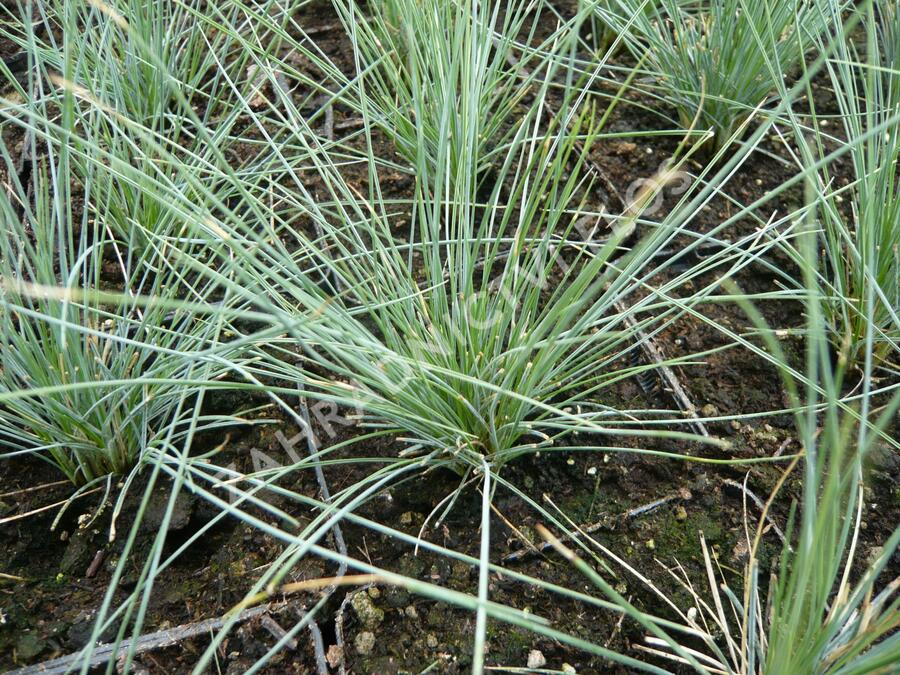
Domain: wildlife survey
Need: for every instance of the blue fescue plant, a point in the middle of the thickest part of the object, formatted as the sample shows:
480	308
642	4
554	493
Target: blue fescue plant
860	218
716	61
97	361
432	67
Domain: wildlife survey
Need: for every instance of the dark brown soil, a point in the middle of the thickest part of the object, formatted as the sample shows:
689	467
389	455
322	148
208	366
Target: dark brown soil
52	579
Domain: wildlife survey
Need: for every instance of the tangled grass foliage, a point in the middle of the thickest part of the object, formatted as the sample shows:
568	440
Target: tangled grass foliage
717	61
861	221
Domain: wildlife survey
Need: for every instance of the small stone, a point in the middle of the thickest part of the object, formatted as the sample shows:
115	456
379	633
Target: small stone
536	659
395	597
709	410
885	458
406	518
411	612
364	643
592	471
366	611
569	669
179	515
680	513
334	656
374	592
570	462
431	640
28	646
735	425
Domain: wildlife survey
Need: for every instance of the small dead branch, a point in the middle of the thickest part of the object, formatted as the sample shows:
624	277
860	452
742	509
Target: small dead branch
36	488
336	657
319	648
760	504
41	509
277	632
607	523
672	384
337	534
146	643
94	567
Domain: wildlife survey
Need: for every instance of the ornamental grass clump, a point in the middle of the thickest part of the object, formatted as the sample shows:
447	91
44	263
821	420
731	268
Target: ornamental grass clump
716	61
434	68
475	325
142	83
98	362
860	218
822	604
107	345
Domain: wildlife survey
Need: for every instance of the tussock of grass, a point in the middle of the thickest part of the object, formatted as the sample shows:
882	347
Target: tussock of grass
90	380
445	79
860	221
716	61
161	254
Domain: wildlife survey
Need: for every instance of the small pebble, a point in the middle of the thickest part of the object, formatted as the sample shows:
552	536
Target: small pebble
364	643
680	513
368	614
709	410
592	471
334	656
536	659
569	668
